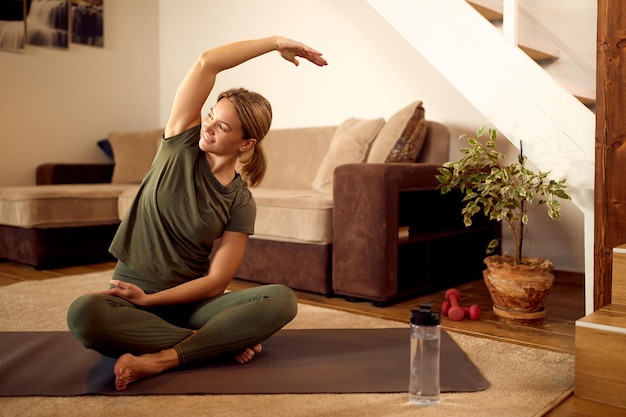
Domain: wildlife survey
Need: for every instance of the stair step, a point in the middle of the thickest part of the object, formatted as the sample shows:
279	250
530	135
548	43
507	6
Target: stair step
586	96
618	290
600	370
537	51
490	9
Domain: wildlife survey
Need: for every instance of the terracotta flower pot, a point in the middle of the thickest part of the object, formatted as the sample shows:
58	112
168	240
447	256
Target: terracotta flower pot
518	292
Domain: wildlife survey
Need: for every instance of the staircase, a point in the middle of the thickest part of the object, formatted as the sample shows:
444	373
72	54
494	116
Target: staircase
525	92
546	49
600	371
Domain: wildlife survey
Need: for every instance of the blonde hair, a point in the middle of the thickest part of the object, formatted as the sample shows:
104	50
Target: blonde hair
255	114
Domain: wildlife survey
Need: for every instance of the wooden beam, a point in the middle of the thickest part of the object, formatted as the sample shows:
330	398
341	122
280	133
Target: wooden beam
610	161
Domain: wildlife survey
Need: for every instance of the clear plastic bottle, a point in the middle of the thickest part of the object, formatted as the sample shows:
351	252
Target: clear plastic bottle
425	356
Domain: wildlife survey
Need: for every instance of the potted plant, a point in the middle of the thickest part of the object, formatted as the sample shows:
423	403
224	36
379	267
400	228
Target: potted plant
518	284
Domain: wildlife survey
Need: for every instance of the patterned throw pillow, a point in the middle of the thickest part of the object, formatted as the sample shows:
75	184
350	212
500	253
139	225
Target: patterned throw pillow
402	137
410	142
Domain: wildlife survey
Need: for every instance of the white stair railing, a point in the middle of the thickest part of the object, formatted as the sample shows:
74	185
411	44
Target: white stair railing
509	20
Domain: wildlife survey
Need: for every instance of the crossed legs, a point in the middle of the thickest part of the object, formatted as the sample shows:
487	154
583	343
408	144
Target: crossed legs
149	342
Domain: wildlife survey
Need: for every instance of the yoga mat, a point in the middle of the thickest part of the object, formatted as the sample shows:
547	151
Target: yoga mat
294	361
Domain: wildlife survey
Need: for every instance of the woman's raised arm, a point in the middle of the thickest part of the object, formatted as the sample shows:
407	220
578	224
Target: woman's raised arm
199	81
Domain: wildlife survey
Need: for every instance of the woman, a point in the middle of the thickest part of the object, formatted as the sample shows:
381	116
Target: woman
166	305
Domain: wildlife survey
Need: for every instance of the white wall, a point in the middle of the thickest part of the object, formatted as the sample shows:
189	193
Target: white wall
372	71
56	103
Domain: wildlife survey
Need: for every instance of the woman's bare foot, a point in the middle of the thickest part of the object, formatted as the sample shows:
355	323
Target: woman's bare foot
248	354
130	368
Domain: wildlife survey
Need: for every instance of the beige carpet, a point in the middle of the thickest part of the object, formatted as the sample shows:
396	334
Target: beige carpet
524	381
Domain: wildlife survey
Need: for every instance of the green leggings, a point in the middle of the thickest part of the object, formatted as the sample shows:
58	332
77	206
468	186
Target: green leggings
227	324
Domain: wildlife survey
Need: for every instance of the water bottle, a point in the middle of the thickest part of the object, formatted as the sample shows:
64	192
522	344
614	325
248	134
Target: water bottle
425	353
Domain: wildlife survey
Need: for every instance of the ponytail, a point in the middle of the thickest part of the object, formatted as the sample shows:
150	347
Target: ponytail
252	165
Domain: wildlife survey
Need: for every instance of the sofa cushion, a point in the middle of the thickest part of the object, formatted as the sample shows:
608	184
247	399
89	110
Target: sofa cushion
125	200
436	147
294	156
282	215
410	142
133	153
350	144
67	205
293	215
402	137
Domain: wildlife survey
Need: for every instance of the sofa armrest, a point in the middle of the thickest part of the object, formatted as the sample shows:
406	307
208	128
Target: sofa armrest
74	173
383	176
367	198
370	203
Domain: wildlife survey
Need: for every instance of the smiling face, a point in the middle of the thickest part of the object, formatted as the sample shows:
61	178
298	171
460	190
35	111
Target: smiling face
222	133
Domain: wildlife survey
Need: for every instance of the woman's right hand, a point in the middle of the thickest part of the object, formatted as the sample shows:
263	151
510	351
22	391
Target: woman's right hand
291	50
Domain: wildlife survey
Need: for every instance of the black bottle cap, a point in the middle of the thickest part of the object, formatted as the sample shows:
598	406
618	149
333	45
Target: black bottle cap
425	316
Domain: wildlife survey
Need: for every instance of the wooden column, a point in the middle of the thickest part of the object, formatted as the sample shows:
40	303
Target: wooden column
610	154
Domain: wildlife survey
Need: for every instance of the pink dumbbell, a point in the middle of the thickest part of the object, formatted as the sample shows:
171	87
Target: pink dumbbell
454	311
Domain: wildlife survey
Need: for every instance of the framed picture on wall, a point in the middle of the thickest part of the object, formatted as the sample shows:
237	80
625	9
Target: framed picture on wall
88	22
47	23
12	25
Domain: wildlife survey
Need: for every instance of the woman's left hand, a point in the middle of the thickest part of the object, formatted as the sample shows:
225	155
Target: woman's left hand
127	291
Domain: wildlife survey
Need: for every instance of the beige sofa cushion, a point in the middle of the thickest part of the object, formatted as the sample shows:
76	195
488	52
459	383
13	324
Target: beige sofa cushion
125	199
133	153
51	206
350	144
294	156
293	215
436	147
282	215
406	129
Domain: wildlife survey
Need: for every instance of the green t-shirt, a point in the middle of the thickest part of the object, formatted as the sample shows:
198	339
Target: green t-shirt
180	209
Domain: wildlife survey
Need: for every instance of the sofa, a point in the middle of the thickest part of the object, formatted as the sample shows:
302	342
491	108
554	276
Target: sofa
71	215
350	210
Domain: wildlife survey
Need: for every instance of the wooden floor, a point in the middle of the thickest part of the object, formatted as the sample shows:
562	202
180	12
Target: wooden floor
565	305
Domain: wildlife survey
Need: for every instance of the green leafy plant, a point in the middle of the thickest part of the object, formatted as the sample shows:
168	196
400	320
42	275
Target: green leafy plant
501	192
